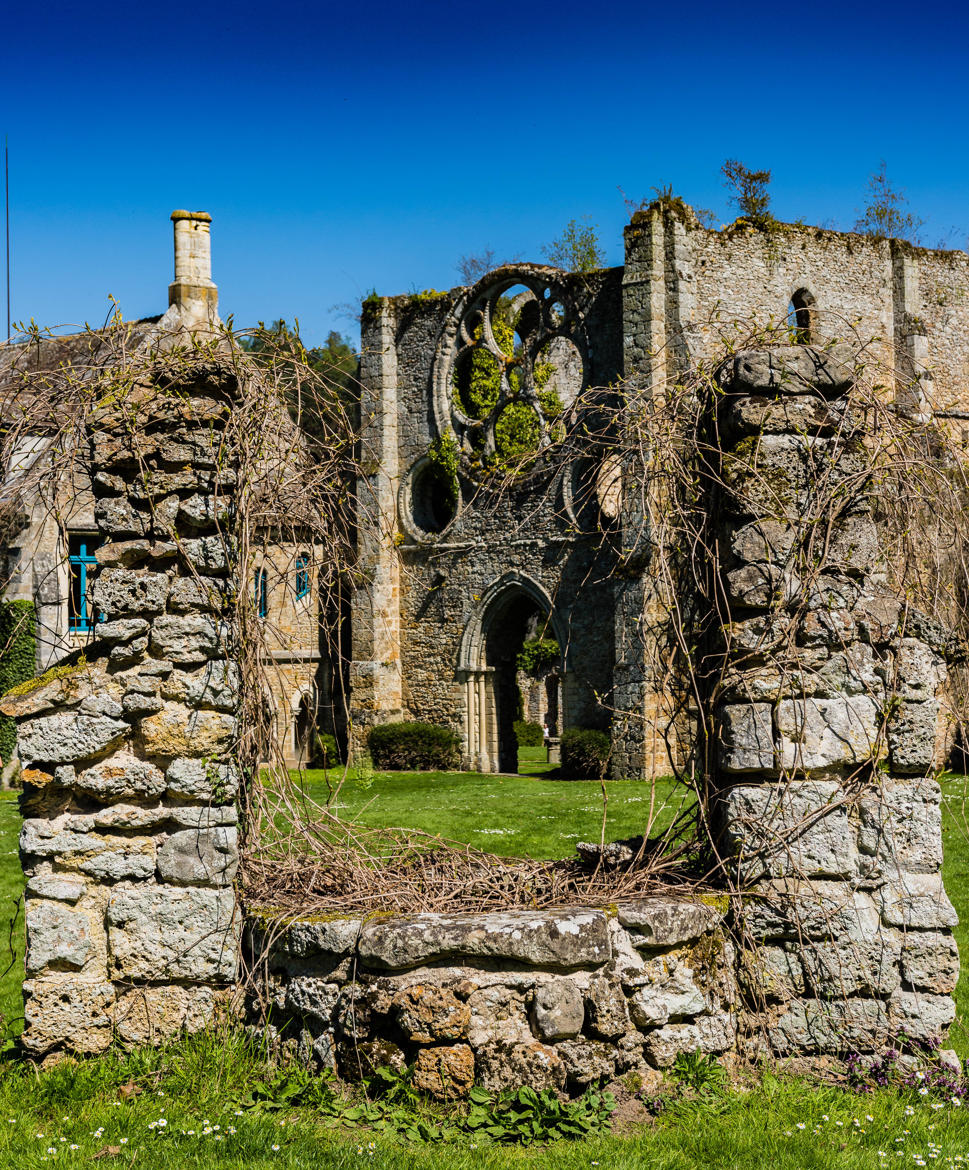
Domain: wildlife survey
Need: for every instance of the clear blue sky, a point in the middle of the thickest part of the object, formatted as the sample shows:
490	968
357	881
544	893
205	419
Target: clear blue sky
347	147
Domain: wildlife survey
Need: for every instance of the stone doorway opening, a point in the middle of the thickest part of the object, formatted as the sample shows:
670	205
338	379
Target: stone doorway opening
514	613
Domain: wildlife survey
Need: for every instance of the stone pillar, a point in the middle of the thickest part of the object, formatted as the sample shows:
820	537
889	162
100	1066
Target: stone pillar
130	839
375	669
828	717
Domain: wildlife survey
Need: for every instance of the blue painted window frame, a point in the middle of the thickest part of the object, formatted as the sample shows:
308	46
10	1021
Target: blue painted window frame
81	558
302	576
261	591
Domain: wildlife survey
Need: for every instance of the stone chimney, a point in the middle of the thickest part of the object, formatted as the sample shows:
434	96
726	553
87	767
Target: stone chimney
193	291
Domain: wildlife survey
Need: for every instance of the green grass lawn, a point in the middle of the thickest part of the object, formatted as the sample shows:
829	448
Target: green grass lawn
185	1107
515	816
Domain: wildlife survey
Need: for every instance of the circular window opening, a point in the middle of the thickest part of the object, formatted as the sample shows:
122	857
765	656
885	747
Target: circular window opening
433	497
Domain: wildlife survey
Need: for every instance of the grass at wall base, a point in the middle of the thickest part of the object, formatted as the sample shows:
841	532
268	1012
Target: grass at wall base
191	1105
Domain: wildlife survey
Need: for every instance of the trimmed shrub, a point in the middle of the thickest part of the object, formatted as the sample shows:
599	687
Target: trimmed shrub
585	753
529	734
413	747
18	660
327	752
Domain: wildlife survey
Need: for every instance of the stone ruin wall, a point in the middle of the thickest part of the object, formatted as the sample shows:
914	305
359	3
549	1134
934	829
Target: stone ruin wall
129	842
829	726
837	937
552	999
420	591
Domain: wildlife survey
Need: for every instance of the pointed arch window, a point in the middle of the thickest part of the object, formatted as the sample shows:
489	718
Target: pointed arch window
302	576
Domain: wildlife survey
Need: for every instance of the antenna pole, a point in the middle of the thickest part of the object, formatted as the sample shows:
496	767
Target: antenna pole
6	201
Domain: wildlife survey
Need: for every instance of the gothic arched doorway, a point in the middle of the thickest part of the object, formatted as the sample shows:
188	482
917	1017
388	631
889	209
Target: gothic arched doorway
513	610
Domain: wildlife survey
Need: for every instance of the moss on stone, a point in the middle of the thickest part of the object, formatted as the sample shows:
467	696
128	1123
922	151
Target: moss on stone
62	670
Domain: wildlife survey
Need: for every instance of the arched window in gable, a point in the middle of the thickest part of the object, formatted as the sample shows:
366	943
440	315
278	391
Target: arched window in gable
302	576
800	316
261	590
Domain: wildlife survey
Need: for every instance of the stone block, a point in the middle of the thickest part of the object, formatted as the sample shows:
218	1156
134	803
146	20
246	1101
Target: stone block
550	938
761	586
856	670
199	857
917	901
215	685
667	922
799	828
835	1026
335	935
138	704
605	1007
427	1014
776	475
772	972
207	554
763	541
930	961
203	511
130	591
206	594
120	517
791	369
122	630
57	887
63	690
920	1015
867	967
792	908
120	778
70	1012
199	779
557	1010
126	653
663	1045
498	1017
853	546
824	733
166	933
912	737
69	737
57	937
180	731
746	737
900	827
921	671
666	991
446	1072
147	1015
313	997
105	857
877	616
119	858
586	1061
786	415
509	1066
188	639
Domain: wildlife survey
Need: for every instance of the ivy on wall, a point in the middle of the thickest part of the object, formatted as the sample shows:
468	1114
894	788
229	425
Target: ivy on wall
18	660
538	655
443	454
517	431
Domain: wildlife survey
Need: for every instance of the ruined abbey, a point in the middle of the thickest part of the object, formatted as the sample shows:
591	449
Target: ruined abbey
450	592
824	926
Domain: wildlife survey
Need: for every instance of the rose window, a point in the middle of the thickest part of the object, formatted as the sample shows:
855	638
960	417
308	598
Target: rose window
510	366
